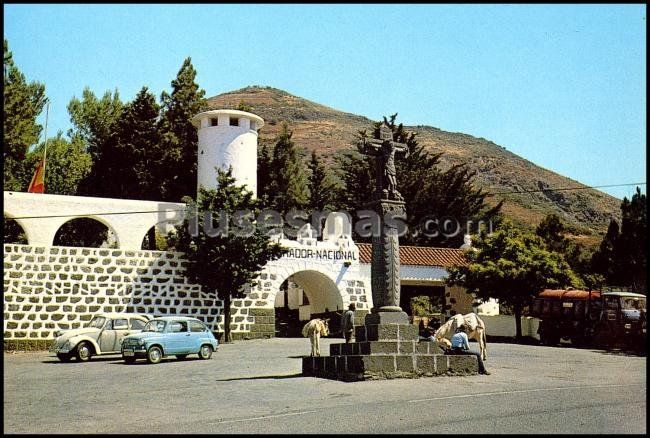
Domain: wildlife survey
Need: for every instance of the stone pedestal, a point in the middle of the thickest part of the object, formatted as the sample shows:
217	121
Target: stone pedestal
387	347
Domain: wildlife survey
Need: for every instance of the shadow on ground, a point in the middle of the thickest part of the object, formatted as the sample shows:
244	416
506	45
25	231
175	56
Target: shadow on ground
284	376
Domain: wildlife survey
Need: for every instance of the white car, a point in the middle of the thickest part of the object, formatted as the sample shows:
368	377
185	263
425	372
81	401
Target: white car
102	335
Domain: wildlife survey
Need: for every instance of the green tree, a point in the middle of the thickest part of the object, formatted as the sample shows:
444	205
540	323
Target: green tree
289	186
553	232
67	164
322	190
137	141
433	197
621	258
358	179
180	138
94	124
224	261
23	102
512	266
603	261
264	164
630	249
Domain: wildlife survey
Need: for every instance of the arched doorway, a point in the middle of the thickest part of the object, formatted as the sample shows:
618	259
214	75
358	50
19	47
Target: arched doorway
305	295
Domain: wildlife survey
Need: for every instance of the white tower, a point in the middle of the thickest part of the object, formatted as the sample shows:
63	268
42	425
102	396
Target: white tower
227	138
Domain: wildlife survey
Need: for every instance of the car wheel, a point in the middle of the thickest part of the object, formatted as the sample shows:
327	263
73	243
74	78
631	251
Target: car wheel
129	359
181	356
84	352
64	357
205	352
154	355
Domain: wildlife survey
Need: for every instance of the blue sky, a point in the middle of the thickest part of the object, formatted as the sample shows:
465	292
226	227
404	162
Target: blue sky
560	85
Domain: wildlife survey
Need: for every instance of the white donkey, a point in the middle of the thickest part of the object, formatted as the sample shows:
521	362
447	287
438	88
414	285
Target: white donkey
313	330
475	330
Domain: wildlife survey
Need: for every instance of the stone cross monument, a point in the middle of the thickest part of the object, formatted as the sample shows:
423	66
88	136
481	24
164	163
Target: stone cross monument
389	205
386	345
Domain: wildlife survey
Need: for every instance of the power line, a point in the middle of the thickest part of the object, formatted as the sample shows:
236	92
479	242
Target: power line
565	189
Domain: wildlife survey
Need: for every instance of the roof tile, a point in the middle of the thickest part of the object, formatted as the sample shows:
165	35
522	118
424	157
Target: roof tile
420	255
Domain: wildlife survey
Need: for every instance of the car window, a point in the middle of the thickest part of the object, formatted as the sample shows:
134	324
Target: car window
154	326
120	324
178	326
109	325
196	326
96	322
136	324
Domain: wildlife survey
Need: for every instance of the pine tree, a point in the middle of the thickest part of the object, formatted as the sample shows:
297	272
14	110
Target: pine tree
621	257
138	143
356	171
322	190
630	248
264	163
439	204
227	262
551	229
289	186
23	102
180	138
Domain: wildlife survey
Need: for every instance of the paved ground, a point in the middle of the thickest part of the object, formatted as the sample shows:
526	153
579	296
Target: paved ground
256	387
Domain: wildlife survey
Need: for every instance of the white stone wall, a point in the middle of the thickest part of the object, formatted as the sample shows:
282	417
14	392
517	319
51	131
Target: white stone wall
504	325
51	288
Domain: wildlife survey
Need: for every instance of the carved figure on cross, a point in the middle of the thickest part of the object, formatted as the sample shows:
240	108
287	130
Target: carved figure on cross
384	150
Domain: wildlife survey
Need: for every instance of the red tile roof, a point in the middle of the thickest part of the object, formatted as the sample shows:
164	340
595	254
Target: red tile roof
420	255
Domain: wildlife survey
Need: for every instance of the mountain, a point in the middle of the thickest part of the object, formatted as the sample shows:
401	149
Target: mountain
328	131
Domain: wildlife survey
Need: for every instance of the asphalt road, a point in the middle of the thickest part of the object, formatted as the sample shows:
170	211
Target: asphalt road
256	387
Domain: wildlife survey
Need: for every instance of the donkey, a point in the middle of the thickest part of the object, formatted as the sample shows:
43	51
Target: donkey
313	330
475	330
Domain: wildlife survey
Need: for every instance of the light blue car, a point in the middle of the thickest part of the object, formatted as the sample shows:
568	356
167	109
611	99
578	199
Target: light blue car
170	336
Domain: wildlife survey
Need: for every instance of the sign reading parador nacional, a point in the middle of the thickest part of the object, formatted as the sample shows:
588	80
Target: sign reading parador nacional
322	254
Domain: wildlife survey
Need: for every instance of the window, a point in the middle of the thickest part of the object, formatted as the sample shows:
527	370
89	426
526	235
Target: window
178	326
234	121
196	326
214	122
136	324
120	324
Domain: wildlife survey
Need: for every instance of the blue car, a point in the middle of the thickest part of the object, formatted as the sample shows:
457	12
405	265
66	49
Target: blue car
170	336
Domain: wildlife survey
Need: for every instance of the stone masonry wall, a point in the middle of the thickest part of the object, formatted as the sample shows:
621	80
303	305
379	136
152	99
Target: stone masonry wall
51	288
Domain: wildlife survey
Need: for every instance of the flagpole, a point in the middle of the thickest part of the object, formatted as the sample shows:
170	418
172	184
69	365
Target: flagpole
47	113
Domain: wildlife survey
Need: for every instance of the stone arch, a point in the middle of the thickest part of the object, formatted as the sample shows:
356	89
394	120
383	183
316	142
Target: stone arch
311	279
14	231
65	232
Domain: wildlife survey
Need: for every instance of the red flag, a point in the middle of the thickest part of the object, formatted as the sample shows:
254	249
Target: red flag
38	180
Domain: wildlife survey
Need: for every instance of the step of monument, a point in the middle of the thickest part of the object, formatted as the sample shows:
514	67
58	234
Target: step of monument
384	347
386	332
369	367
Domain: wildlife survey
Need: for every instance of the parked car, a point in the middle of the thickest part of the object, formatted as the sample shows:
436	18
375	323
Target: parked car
170	336
102	335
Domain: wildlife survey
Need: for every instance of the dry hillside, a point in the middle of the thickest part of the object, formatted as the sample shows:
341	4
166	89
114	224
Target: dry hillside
499	171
